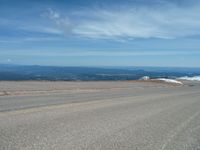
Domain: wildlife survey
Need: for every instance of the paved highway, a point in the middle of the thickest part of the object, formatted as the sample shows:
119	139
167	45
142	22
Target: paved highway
125	116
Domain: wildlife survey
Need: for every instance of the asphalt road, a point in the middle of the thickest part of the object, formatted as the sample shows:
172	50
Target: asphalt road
125	116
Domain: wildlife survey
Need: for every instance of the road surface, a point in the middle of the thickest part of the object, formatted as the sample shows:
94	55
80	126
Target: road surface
99	116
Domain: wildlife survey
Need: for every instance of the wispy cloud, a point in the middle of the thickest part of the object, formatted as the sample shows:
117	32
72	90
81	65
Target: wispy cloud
100	53
41	29
30	39
166	21
62	23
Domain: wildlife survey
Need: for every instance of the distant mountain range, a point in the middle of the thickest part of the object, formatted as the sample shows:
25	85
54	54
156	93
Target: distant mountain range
23	72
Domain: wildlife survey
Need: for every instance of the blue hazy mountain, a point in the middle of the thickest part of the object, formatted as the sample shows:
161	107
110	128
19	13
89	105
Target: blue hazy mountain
23	72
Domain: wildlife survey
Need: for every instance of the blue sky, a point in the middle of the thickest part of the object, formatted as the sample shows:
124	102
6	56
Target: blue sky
100	32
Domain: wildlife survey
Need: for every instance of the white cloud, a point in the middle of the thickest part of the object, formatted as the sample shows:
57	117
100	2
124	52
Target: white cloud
31	39
63	23
42	29
169	21
8	60
100	53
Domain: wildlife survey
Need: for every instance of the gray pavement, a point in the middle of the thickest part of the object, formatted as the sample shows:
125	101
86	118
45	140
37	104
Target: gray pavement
125	116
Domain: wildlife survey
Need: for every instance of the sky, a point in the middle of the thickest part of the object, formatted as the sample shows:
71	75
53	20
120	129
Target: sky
162	33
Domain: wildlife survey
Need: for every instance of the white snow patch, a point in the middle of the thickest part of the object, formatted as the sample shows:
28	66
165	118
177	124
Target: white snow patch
169	80
145	78
195	78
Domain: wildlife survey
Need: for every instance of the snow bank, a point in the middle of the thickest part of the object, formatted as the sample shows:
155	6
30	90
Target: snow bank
169	80
195	78
145	78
